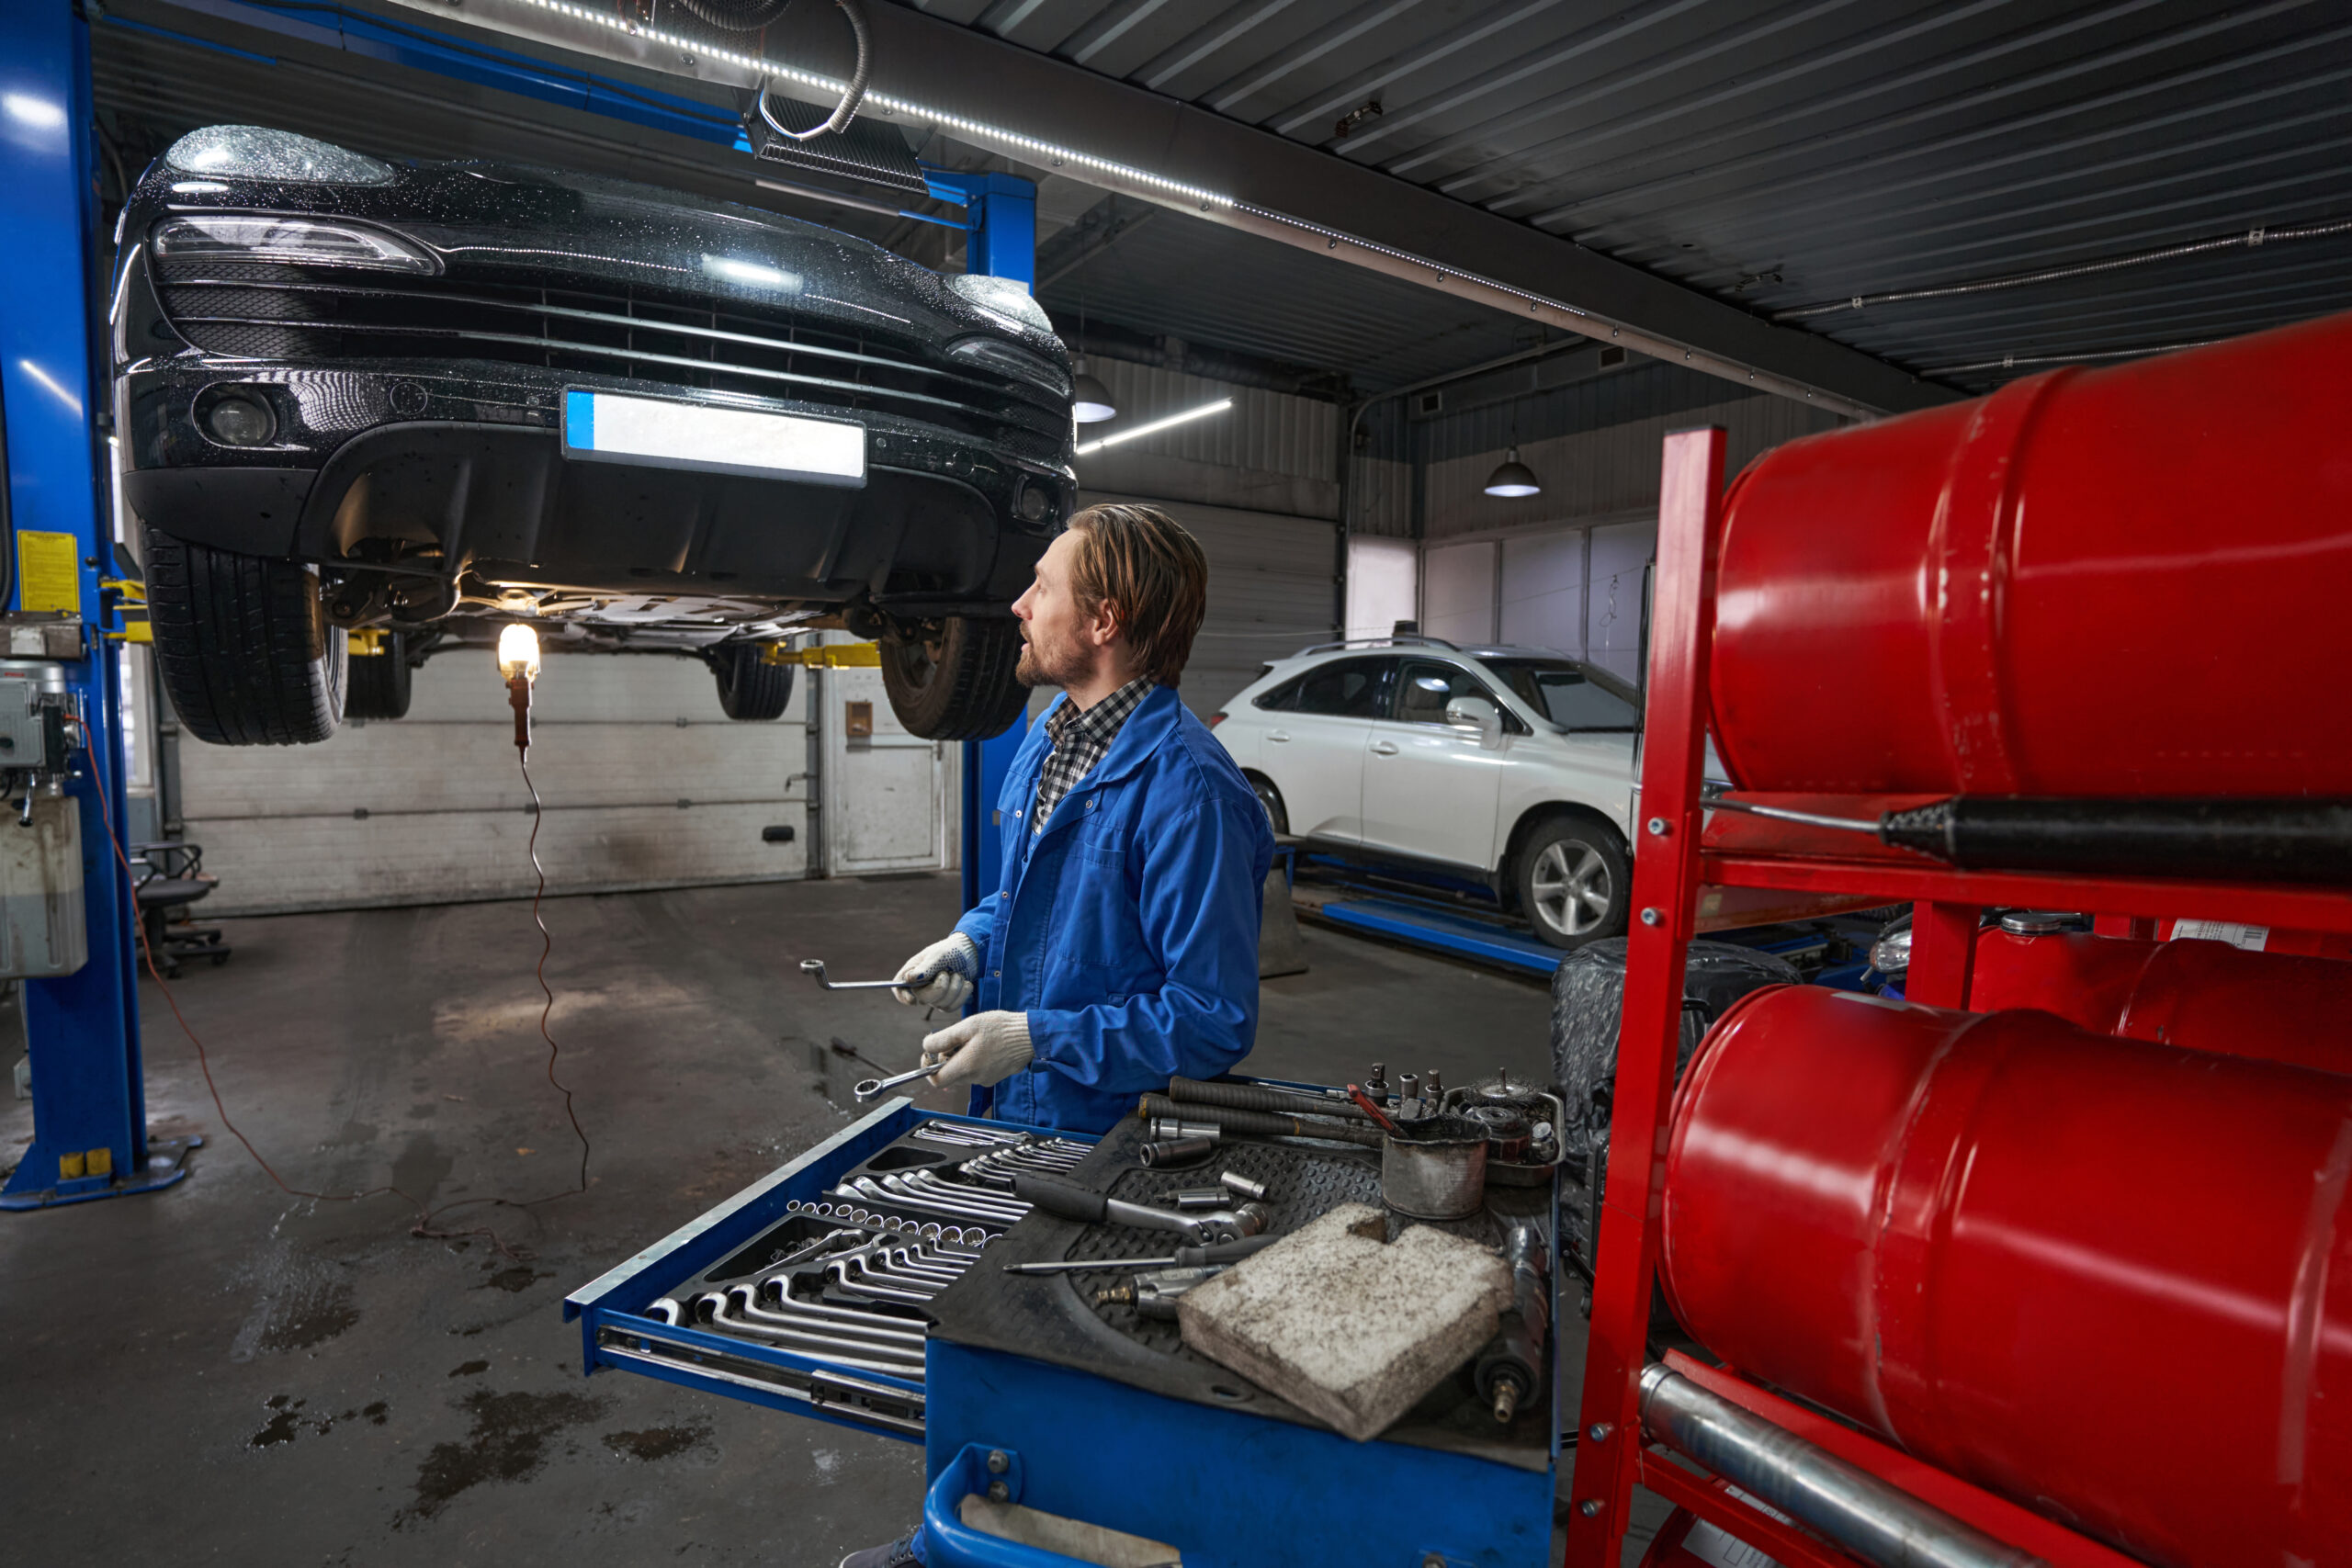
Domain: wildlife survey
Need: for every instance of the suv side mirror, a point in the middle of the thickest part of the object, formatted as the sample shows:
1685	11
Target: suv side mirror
1479	714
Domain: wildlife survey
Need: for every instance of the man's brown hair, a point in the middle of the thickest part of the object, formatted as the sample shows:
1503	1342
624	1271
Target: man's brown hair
1141	561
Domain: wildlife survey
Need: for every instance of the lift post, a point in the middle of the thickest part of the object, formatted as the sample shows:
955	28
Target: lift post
1001	242
82	1031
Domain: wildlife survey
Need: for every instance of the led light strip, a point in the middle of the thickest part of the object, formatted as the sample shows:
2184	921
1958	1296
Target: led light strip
828	85
1158	426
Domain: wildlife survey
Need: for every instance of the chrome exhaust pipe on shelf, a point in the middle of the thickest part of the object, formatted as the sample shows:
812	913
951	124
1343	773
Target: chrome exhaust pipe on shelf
1878	1523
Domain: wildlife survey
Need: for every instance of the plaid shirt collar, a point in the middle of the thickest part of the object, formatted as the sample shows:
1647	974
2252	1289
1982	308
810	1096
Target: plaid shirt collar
1080	740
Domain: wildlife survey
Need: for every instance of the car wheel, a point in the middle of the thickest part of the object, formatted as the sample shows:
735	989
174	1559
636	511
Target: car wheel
1574	882
957	682
749	686
244	647
1271	799
376	684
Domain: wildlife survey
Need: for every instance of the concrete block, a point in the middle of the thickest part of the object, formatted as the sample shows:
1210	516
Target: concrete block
1345	1326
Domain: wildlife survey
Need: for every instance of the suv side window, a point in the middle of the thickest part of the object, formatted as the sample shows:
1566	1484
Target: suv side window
1345	688
1282	699
1428	686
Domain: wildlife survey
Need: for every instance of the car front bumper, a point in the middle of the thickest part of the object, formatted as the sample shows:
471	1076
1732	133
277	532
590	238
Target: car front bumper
460	469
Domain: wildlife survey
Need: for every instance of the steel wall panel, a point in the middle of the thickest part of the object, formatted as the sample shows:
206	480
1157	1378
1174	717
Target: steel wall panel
1269	432
1542	591
1271	593
445	811
1379	502
1458	592
1599	473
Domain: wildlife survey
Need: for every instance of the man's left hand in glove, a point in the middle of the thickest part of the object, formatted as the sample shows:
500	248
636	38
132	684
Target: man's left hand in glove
981	1050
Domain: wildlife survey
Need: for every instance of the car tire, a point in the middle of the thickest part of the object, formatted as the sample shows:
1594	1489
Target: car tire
242	645
1271	799
1575	883
749	686
377	686
959	683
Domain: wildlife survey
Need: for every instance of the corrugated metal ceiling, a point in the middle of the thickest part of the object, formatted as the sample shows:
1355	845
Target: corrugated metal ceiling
1781	155
1210	285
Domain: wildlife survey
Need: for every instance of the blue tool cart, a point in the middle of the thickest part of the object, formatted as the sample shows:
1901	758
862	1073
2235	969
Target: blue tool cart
1050	1416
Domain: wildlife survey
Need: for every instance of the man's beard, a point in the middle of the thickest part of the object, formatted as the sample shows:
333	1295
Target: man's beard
1046	666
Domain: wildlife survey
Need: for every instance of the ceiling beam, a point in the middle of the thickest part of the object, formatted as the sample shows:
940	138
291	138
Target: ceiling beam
1058	118
1104	225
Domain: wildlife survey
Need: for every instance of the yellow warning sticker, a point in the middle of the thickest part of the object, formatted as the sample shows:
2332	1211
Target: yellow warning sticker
48	568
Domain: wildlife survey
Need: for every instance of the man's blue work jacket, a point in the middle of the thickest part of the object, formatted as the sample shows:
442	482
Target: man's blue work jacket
1127	930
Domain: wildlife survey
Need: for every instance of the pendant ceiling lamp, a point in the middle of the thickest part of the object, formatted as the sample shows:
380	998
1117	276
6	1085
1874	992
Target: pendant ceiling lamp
1090	401
1514	478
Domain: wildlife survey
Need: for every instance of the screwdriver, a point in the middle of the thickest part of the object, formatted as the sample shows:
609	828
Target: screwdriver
1184	1257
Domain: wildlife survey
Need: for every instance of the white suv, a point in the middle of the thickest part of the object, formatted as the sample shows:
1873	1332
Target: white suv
1508	768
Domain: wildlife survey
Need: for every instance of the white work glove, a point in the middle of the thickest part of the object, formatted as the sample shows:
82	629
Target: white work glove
954	963
983	1049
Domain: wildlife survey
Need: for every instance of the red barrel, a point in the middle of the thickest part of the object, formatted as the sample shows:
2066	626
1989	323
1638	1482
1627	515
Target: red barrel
2205	995
2128	582
2109	1280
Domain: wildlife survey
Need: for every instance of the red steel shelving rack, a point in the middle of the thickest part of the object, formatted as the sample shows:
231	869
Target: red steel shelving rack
1683	869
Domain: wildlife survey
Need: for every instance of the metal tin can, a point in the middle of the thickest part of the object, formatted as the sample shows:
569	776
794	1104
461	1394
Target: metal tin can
1435	1173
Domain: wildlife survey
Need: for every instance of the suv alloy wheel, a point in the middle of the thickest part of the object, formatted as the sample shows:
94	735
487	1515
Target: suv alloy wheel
1573	881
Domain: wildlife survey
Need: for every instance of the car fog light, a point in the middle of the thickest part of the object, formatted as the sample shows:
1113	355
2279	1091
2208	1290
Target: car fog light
1036	501
241	420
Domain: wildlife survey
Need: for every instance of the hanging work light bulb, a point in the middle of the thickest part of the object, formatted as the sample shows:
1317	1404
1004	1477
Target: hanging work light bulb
518	665
1514	478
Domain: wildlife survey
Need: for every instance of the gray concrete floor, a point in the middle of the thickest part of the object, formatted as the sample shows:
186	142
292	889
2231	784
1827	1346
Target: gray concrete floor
224	1371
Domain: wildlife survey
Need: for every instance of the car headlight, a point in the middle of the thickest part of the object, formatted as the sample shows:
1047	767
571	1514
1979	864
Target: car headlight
1890	954
297	242
1007	359
1002	297
257	152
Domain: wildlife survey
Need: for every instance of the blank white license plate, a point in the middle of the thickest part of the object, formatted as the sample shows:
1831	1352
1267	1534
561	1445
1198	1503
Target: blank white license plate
660	434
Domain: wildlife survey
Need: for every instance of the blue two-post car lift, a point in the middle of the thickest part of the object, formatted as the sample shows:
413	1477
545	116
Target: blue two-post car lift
82	1030
89	1110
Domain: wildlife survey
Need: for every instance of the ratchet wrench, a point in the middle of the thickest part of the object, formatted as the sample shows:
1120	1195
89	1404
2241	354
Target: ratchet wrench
1095	1208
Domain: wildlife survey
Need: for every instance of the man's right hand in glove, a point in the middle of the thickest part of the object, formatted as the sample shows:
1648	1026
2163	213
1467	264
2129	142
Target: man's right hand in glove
953	965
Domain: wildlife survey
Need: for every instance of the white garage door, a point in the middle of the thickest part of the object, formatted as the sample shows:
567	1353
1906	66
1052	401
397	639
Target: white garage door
645	783
1271	593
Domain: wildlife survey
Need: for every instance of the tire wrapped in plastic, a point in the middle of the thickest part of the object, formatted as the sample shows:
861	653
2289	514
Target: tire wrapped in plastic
1588	1000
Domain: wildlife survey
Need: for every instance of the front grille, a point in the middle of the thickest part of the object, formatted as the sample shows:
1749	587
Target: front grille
254	311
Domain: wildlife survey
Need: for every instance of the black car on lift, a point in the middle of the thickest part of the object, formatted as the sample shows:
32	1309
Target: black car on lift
426	399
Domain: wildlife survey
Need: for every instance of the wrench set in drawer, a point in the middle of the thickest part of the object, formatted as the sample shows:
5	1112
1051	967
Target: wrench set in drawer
808	1291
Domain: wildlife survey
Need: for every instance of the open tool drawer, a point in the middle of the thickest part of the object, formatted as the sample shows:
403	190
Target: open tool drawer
806	1290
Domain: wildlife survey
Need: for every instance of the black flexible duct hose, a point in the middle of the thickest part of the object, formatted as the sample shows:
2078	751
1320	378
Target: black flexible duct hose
851	95
1264	1124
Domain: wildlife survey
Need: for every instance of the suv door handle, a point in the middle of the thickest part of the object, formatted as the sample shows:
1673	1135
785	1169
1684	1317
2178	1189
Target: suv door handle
1383	748
1278	734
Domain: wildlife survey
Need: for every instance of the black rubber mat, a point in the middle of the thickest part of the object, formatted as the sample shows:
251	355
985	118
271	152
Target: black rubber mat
1053	1318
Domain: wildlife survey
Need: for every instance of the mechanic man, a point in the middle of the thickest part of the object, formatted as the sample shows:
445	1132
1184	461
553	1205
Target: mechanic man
1122	946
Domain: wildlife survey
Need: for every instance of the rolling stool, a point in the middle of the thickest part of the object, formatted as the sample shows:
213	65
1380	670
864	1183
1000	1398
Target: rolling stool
171	876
